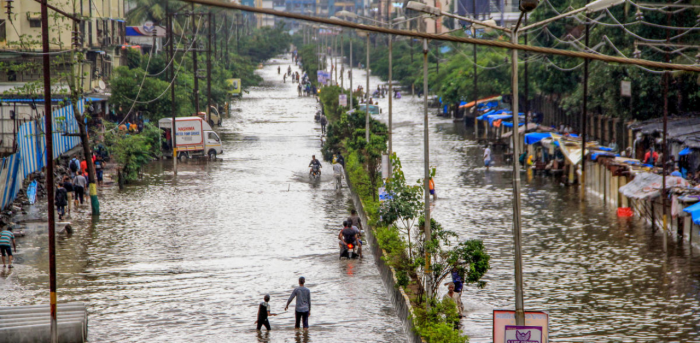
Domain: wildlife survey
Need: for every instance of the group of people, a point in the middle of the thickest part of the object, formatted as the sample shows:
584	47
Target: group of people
302	310
306	88
70	190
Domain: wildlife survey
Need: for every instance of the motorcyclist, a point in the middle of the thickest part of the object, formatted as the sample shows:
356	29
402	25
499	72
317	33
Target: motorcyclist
314	163
349	235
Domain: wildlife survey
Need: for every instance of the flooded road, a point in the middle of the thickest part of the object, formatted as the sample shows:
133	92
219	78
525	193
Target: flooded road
600	278
189	258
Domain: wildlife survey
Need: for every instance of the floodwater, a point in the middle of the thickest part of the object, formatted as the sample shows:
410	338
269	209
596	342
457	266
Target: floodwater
600	278
188	258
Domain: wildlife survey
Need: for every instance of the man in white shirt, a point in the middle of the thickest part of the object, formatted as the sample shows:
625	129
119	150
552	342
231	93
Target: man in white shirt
487	157
338	173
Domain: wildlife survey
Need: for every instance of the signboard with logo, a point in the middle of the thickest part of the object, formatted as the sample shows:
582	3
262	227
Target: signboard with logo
343	100
506	318
148	27
523	334
234	86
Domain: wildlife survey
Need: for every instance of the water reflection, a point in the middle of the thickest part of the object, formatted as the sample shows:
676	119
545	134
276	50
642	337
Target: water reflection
189	258
600	277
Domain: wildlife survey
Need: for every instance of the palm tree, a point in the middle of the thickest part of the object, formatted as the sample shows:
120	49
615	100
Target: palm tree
144	10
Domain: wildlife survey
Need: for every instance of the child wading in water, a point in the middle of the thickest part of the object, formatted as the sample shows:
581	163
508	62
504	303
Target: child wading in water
263	313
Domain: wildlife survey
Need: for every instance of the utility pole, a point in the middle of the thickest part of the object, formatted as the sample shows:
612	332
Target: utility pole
664	198
527	86
342	58
237	25
194	61
476	93
426	175
350	76
391	87
517	230
367	115
584	115
49	169
171	48
226	37
212	27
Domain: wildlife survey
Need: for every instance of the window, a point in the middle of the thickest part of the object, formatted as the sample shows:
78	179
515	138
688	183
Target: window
34	22
213	137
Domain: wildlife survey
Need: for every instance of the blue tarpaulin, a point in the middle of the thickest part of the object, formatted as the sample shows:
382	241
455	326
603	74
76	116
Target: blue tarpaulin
685	151
694	211
509	124
536	137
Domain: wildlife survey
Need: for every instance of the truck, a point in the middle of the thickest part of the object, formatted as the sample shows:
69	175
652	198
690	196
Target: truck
193	137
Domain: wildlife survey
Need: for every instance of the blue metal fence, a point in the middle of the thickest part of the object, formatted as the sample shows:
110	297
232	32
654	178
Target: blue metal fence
31	139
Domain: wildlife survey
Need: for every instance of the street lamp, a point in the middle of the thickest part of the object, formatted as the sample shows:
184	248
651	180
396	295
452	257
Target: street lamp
350	73
525	6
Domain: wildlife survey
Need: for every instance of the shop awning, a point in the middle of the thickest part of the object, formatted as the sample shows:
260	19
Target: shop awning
536	137
685	151
491	98
648	185
694	211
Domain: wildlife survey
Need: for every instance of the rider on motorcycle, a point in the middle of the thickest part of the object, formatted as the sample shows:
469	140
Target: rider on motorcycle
349	235
314	164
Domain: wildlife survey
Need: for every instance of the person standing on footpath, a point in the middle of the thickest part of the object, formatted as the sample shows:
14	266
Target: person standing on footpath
338	174
324	122
457	299
7	238
302	311
263	313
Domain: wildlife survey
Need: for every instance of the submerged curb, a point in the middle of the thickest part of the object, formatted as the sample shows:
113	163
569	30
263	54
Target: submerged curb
398	297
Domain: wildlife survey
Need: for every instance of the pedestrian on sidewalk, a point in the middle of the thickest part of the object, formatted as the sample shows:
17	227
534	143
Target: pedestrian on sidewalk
70	192
324	122
61	200
79	184
7	238
74	165
302	310
263	313
340	159
457	299
338	174
99	170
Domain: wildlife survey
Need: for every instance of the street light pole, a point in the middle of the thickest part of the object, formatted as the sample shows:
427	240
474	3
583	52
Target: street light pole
367	94
49	170
426	170
517	231
391	92
350	74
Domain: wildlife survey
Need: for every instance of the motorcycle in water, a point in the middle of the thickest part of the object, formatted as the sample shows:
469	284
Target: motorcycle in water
315	172
349	251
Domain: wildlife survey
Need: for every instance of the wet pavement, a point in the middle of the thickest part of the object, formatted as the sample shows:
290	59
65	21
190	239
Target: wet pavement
601	278
189	258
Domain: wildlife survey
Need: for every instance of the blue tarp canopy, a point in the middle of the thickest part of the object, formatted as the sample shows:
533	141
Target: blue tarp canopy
536	137
685	151
509	124
493	118
694	211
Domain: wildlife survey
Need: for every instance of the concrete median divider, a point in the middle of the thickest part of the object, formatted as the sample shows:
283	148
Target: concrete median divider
27	324
401	302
